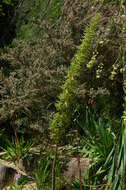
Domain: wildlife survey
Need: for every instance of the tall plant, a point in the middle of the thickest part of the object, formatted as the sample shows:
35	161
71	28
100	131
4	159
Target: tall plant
117	174
62	118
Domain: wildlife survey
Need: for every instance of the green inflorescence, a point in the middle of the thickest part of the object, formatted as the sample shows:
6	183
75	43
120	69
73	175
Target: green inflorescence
61	119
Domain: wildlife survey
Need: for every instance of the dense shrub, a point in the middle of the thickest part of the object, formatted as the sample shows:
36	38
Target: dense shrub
33	70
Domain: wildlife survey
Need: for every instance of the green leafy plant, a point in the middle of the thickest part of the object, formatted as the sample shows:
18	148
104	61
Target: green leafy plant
15	187
16	150
117	174
42	171
98	145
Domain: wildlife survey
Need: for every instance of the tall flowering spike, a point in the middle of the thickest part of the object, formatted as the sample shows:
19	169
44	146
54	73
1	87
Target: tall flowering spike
61	119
